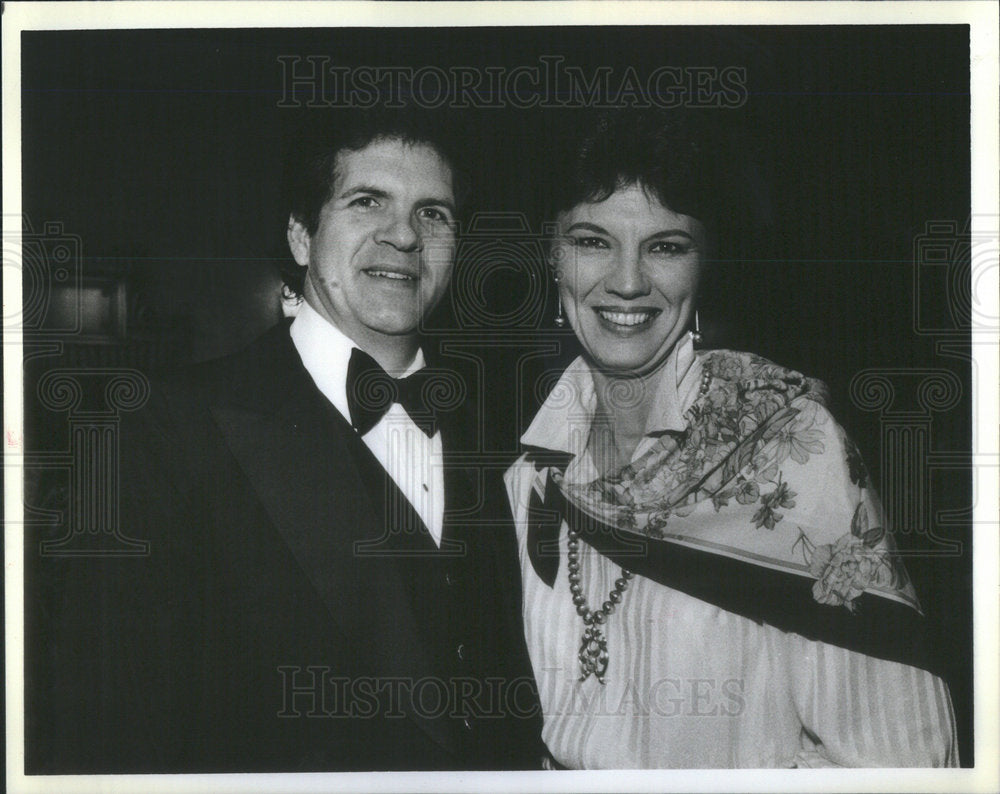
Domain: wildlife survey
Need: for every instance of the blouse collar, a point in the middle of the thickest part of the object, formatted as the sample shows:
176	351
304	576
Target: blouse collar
563	422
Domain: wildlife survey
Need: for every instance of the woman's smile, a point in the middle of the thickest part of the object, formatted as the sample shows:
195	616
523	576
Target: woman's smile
626	321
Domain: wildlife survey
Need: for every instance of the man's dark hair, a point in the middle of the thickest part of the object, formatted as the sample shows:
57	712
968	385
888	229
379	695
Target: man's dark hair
311	159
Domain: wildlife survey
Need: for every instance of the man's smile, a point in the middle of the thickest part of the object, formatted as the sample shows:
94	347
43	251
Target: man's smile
391	274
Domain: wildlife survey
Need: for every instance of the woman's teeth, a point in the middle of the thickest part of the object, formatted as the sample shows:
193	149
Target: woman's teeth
626	318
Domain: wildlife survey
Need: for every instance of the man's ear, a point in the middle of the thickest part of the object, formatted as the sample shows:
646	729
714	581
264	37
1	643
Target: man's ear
298	241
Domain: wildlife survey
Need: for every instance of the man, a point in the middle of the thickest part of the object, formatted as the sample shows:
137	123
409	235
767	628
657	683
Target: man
329	586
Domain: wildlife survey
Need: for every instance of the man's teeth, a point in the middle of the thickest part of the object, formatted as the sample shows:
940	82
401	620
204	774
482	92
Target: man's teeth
626	318
390	274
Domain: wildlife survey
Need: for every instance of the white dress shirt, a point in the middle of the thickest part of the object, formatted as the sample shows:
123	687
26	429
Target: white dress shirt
413	460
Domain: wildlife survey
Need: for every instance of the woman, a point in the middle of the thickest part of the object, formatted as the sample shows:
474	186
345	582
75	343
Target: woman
707	577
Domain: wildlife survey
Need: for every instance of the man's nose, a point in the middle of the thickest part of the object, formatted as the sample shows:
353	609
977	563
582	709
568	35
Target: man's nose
400	232
627	279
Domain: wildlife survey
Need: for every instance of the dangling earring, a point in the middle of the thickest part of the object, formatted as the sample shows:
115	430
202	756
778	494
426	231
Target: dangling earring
560	320
696	337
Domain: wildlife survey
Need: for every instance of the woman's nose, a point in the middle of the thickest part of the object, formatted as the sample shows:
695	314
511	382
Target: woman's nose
627	279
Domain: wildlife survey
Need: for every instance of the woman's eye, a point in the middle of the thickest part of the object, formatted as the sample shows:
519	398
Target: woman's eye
668	247
365	202
589	242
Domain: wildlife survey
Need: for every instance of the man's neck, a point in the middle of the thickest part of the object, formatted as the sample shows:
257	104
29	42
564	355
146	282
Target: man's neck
393	352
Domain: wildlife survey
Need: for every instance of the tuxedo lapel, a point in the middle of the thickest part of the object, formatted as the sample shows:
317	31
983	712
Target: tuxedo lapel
305	480
463	490
401	531
319	484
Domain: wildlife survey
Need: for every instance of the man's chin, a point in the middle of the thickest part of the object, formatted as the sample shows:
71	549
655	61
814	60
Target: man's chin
397	326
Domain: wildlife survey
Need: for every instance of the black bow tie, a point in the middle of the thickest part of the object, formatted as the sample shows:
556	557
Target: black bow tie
371	391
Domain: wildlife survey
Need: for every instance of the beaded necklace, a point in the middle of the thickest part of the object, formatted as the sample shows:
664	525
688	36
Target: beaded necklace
593	653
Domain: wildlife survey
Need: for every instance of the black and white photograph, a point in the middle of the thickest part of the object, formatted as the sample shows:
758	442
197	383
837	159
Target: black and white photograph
508	397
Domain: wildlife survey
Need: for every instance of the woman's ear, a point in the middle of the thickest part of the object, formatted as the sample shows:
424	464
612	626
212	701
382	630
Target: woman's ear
298	241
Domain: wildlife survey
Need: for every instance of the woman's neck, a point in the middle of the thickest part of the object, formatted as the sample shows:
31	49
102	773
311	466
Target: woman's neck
623	407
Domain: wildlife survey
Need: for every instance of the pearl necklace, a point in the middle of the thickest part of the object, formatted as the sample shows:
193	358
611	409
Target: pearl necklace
594	646
593	654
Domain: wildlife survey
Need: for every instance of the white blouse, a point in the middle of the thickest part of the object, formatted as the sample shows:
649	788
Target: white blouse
690	685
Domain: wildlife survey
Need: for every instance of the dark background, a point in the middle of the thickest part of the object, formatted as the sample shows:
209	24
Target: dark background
159	153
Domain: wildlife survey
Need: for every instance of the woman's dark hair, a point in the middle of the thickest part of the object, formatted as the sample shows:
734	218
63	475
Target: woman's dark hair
311	159
697	162
676	156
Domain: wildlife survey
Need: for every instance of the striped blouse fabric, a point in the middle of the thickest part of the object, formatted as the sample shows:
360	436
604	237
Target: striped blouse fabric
691	685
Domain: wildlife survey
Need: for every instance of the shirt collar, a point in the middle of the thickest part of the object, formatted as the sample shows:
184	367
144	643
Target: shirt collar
563	422
325	351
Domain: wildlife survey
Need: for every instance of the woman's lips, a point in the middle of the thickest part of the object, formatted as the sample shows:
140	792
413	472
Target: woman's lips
626	319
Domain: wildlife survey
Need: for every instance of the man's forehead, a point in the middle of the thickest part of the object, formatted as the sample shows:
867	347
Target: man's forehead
390	162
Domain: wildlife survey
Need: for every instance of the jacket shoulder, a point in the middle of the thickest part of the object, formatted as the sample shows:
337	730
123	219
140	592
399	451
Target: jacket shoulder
256	372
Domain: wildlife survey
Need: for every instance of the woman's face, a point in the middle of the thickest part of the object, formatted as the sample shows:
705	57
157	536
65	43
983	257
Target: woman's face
628	272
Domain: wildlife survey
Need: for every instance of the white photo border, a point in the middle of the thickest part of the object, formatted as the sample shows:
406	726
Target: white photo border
982	16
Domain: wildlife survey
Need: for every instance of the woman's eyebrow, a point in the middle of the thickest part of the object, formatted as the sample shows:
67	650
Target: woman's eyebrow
670	233
588	227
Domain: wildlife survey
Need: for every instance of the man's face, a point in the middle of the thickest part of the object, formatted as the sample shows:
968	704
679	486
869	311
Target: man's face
384	249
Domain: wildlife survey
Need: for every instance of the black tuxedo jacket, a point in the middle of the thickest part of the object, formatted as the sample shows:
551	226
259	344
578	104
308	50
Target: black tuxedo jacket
292	613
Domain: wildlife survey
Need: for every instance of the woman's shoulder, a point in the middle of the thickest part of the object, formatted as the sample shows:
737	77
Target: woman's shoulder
747	372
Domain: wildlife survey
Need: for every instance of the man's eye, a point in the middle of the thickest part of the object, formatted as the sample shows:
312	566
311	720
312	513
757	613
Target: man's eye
589	242
434	214
365	202
668	247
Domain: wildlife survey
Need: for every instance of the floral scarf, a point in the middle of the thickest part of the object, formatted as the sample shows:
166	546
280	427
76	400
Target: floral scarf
762	474
761	505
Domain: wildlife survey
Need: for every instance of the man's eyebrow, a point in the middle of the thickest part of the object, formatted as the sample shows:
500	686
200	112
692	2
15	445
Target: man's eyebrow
370	190
448	204
377	192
